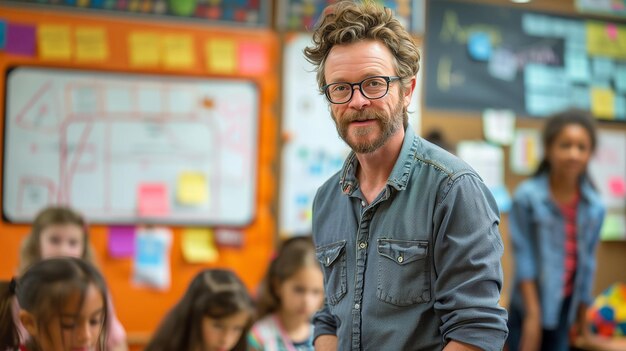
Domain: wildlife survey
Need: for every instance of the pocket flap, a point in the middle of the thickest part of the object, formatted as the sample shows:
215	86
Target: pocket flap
328	254
402	251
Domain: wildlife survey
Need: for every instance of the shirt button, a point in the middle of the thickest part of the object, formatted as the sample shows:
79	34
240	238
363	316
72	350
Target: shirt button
357	306
363	203
362	245
400	259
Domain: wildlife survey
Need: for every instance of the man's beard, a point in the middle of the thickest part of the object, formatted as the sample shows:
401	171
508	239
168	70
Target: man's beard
389	125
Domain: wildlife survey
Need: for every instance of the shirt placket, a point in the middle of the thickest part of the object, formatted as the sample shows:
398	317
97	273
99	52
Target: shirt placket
361	260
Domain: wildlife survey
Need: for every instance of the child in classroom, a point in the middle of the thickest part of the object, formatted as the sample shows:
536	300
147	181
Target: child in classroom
63	306
292	291
554	226
215	314
59	231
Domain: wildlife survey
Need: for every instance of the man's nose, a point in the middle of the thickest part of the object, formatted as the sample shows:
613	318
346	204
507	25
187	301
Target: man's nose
358	100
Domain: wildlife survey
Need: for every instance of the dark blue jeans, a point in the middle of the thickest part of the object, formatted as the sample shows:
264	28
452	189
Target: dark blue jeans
551	339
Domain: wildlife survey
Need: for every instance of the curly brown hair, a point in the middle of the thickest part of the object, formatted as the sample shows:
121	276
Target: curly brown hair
349	22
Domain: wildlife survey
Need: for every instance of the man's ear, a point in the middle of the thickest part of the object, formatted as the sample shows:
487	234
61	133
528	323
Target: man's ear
408	92
29	322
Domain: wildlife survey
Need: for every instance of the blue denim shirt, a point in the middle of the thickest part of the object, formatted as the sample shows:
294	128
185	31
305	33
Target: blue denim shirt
418	266
537	230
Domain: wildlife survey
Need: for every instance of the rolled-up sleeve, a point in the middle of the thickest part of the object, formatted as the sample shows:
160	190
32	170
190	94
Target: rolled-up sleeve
324	322
467	254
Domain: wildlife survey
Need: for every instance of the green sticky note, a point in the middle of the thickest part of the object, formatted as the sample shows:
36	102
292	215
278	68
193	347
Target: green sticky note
614	227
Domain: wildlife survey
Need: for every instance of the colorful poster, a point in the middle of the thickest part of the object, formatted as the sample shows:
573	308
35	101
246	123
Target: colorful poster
240	12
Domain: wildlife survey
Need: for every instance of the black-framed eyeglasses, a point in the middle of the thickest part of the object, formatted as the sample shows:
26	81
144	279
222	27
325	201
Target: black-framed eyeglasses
372	88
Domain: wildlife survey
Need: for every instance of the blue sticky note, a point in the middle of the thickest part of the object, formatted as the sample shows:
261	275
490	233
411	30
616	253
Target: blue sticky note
3	34
580	97
577	66
603	67
620	79
150	250
479	46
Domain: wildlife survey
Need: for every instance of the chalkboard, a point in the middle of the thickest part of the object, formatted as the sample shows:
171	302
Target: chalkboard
483	56
127	148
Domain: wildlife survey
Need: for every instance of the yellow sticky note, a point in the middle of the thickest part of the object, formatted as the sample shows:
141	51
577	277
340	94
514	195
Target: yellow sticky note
221	55
198	245
144	49
192	188
91	44
603	103
54	42
607	40
178	51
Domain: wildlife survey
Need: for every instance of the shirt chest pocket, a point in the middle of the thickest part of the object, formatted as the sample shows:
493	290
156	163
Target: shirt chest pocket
332	258
403	272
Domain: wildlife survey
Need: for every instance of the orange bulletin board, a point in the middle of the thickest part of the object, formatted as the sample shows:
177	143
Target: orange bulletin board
82	41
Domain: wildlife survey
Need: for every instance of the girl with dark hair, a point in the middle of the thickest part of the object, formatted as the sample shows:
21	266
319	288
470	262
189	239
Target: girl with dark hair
59	231
293	290
214	315
554	225
63	306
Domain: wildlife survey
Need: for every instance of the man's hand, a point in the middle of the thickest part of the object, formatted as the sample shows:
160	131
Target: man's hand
454	345
326	343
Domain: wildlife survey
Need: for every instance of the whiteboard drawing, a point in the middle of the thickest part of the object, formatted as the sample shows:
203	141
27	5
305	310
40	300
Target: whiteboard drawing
92	139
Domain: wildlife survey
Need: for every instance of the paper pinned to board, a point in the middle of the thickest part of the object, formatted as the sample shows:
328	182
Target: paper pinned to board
151	266
54	42
121	241
153	200
198	245
499	126
91	44
192	188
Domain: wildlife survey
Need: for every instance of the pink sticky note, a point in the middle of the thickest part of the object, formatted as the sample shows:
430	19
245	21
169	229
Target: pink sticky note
611	31
20	39
252	58
153	199
617	186
121	241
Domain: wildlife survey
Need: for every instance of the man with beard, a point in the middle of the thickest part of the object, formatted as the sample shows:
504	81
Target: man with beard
406	233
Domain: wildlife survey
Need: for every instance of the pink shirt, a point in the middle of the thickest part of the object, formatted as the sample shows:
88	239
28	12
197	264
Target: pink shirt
571	257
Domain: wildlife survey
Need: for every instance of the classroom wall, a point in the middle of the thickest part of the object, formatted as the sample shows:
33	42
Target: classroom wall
463	125
140	309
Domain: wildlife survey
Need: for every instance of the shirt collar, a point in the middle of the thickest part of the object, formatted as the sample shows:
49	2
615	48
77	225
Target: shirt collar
400	172
587	191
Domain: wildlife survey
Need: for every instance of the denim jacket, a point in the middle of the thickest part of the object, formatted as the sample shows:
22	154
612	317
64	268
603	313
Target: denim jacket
417	267
537	230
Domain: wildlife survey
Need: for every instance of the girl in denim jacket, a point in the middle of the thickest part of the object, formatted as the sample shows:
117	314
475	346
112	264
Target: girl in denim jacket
554	227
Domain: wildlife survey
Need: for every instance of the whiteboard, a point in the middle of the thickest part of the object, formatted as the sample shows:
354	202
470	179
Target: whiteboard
91	140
